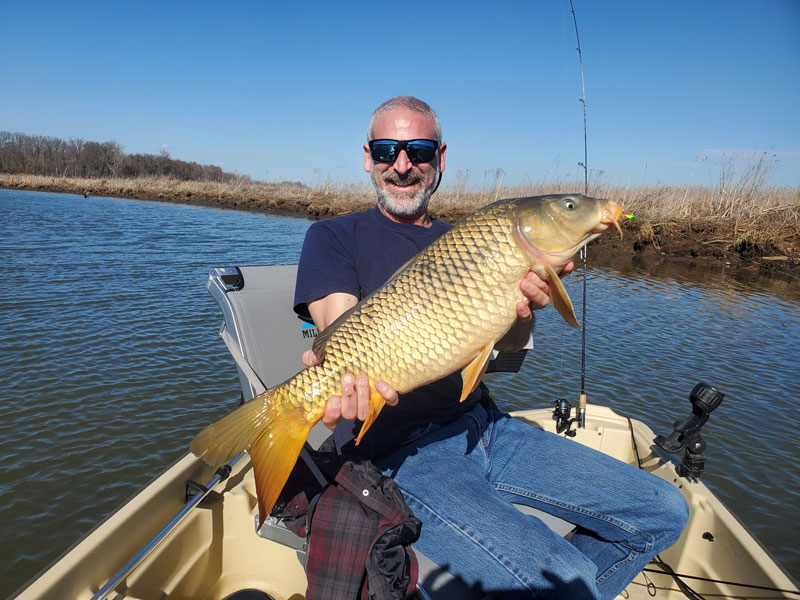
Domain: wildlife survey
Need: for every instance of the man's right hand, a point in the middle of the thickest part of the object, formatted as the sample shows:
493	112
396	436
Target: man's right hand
353	402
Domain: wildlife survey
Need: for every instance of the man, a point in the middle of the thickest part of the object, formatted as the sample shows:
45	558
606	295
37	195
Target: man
460	466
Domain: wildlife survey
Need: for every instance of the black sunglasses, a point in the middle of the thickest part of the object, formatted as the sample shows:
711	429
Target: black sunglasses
418	151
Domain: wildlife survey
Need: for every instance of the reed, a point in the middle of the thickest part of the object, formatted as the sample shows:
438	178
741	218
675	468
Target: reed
740	207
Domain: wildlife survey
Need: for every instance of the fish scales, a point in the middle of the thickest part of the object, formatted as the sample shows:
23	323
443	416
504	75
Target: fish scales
400	313
443	311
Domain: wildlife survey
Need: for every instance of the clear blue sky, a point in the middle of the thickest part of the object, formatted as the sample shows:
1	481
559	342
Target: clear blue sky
284	90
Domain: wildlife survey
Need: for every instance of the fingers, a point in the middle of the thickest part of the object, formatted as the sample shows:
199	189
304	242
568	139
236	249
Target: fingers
309	359
344	405
523	311
349	396
362	397
333	412
389	394
354	399
535	290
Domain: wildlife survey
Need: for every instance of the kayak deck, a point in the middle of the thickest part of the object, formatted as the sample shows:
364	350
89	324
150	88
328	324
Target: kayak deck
216	552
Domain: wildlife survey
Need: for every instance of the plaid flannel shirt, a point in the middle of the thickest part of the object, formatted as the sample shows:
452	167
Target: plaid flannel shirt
360	536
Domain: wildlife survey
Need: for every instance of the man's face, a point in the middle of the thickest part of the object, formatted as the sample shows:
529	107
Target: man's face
404	188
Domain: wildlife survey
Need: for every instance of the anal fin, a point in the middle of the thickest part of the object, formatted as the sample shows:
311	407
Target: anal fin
376	403
473	372
560	298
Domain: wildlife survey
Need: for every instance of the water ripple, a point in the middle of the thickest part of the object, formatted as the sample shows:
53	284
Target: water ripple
649	341
110	362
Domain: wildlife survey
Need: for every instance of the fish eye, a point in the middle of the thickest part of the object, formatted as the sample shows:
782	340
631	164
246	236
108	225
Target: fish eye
569	204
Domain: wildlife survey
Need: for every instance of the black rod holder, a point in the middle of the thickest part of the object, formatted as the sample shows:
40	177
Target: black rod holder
685	436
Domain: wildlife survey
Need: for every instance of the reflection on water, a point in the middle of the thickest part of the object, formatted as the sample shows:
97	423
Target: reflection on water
110	361
650	339
773	280
110	357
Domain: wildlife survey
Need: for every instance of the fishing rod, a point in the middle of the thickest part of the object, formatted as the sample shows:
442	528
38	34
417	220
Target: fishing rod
582	100
563	409
585	165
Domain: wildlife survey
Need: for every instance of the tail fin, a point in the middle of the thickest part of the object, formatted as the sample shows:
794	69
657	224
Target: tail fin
274	454
273	437
233	433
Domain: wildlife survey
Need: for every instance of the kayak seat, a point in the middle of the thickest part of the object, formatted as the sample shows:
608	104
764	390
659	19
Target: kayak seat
266	339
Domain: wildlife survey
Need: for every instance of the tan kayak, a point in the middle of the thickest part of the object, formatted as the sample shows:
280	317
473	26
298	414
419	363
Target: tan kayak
215	551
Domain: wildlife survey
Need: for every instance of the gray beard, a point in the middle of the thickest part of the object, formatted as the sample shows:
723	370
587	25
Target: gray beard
394	206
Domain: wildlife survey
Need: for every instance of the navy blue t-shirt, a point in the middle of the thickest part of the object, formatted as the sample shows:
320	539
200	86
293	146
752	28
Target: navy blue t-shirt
356	254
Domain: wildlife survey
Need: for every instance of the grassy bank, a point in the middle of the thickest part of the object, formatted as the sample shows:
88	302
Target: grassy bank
740	221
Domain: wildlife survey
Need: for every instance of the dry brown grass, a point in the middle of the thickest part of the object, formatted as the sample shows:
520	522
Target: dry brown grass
744	200
741	209
741	195
157	187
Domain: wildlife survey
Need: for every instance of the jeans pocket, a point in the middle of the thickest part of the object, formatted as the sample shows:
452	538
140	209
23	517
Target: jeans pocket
421	431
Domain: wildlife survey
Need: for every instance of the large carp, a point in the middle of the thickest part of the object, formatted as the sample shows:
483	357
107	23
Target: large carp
441	312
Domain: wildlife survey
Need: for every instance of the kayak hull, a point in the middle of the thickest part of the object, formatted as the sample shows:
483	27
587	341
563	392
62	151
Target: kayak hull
215	551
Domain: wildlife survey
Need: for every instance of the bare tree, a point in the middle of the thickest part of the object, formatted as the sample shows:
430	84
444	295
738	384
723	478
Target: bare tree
45	155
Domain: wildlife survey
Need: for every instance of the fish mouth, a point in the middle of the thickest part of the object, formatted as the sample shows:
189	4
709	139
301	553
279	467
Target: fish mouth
610	216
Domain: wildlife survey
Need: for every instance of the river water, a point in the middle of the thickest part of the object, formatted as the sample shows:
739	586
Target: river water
110	362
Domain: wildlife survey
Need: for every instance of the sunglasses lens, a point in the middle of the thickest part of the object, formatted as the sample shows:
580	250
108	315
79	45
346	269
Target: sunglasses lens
420	151
384	150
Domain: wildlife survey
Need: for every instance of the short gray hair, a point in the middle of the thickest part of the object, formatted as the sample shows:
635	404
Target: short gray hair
409	103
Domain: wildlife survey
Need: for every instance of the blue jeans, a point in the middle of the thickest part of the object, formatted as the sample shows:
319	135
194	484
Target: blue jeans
461	478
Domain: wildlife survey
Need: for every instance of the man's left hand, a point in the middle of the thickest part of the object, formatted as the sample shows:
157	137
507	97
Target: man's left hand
537	292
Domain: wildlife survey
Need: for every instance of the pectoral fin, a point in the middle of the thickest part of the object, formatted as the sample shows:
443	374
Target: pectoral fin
376	403
472	373
560	298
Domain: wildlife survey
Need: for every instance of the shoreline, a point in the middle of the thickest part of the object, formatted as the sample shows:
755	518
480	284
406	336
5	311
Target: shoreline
742	250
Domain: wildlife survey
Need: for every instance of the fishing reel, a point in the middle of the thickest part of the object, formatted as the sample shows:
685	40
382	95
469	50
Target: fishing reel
686	434
562	412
